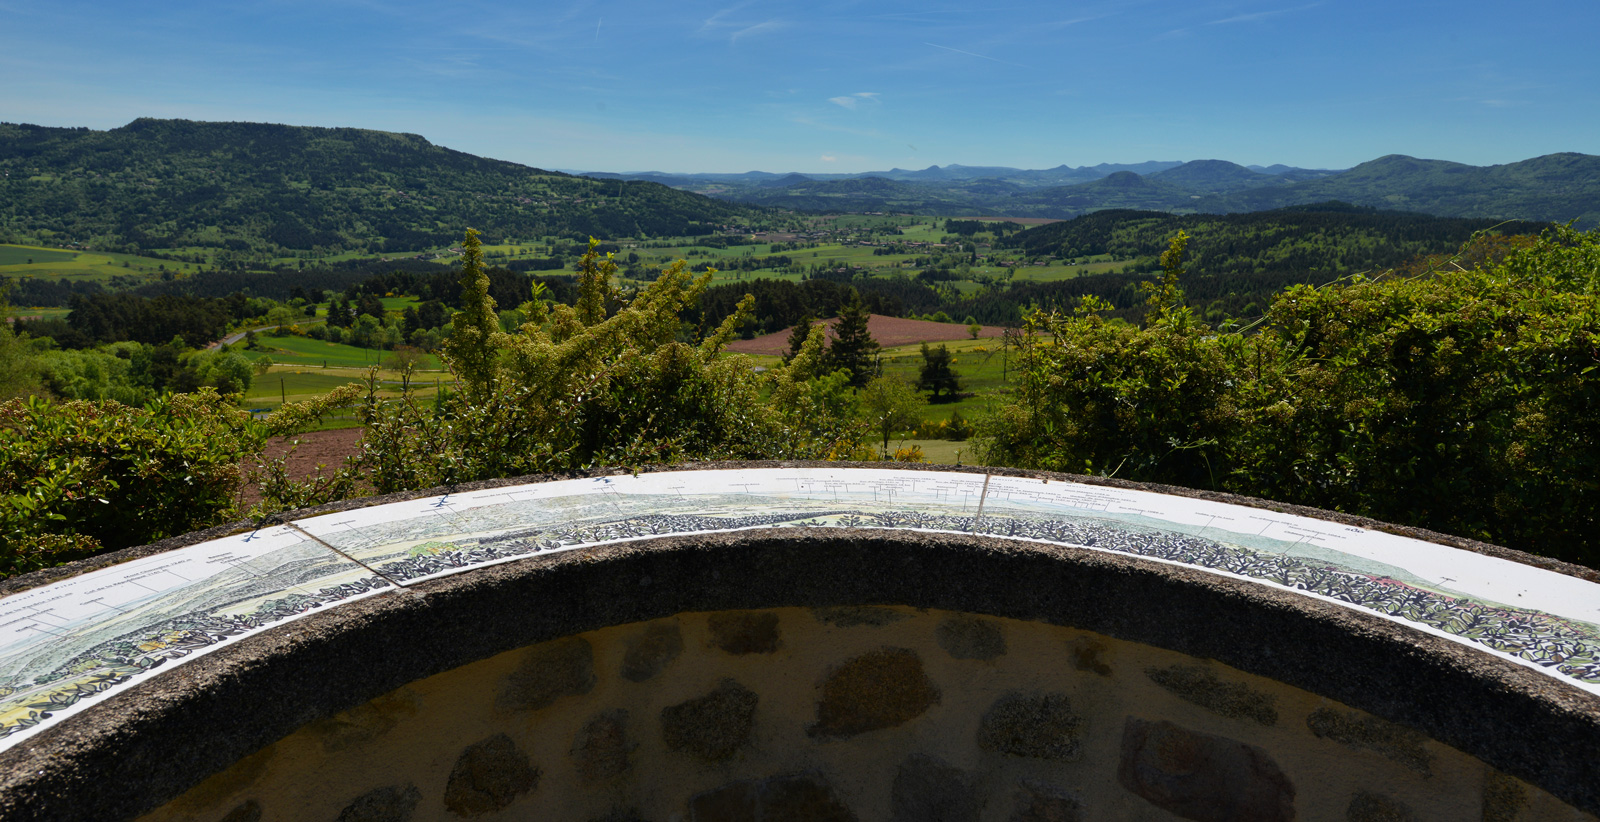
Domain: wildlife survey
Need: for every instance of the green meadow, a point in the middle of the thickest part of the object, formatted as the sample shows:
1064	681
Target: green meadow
305	351
20	261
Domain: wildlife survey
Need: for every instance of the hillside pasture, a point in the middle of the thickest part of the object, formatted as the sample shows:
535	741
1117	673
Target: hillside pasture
93	266
308	352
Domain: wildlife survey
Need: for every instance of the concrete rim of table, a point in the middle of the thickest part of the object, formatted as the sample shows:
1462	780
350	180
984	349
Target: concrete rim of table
167	734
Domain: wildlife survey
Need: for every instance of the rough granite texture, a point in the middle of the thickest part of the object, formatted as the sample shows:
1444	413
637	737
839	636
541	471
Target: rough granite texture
171	732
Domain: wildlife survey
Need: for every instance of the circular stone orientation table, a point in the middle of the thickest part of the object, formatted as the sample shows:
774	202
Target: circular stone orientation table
128	680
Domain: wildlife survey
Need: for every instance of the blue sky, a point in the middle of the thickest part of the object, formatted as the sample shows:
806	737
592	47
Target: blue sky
822	86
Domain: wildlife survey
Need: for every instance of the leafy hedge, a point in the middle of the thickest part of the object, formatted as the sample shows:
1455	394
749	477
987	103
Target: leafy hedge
1465	400
80	477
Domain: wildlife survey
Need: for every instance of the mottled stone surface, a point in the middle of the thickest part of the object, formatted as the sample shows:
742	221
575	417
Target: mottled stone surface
600	750
712	727
969	637
745	632
488	776
1373	807
620	815
549	671
1041	726
876	690
1039	802
851	616
800	798
1202	777
1089	655
364	723
651	650
1201	686
1393	741
928	789
394	803
248	811
1503	797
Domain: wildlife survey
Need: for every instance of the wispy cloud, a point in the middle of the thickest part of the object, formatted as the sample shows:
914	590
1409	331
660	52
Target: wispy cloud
853	101
1257	16
759	28
828	158
1061	24
722	22
972	54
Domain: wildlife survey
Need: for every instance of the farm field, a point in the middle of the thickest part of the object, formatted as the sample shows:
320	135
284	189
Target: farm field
305	351
95	266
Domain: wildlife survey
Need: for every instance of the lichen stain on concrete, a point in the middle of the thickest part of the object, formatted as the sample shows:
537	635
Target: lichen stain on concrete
876	690
745	632
964	636
549	671
712	727
1039	726
1202	776
488	776
651	651
1201	686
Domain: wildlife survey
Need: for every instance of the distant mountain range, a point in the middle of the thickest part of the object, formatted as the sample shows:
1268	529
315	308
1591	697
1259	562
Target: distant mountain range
1555	187
233	191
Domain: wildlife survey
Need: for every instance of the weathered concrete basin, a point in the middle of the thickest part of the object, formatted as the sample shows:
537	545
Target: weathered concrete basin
707	647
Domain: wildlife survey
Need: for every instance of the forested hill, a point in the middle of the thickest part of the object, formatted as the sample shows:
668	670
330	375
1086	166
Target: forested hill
1556	187
163	184
1320	241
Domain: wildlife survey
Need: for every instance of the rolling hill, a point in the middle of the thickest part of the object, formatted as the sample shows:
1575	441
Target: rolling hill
273	189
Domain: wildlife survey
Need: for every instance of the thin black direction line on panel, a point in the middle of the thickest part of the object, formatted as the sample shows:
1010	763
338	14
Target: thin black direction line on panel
983	496
313	537
445	508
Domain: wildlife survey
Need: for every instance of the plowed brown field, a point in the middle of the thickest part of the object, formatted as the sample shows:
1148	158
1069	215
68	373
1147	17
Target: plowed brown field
888	331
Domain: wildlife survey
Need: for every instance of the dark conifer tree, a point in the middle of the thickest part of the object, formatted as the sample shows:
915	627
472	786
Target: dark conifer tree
937	375
797	337
853	346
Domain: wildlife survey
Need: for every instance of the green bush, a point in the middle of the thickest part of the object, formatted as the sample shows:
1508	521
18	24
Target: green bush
1462	400
575	388
81	477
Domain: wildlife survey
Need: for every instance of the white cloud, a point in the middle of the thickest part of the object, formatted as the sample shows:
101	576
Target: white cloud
828	158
